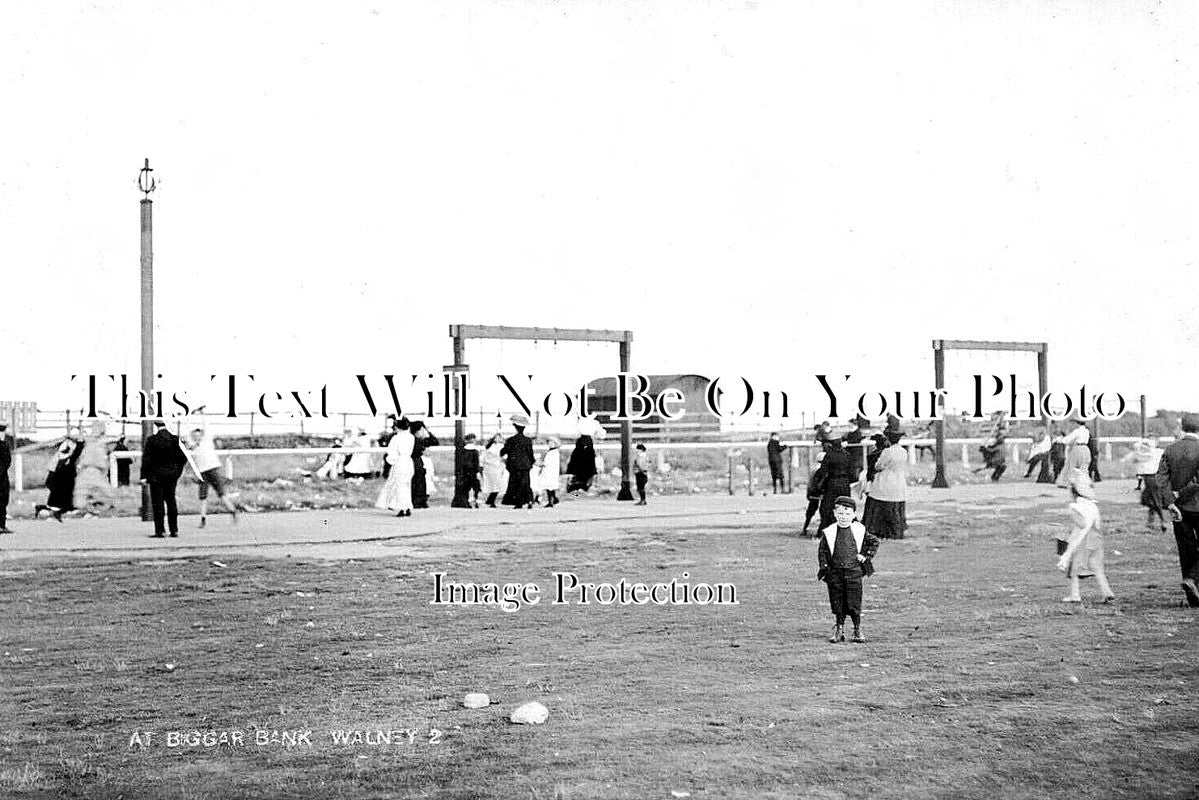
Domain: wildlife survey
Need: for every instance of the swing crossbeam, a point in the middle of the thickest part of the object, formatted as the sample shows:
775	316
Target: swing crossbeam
539	334
460	333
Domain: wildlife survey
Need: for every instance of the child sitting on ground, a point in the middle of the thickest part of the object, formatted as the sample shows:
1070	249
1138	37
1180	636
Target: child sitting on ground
844	555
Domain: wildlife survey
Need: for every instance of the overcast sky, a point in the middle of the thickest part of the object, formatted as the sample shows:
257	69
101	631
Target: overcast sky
754	188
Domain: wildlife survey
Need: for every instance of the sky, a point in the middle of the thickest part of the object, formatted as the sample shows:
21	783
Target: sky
759	189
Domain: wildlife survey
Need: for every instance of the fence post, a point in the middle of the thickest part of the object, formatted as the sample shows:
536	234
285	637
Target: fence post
730	459
229	467
1015	454
112	470
965	455
749	474
1107	451
18	462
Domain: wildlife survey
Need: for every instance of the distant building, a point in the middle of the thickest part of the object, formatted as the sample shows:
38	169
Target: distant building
697	422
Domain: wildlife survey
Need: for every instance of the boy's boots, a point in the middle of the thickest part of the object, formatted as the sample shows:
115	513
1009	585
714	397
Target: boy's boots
838	634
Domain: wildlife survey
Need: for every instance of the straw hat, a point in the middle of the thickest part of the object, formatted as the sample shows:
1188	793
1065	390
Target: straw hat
519	420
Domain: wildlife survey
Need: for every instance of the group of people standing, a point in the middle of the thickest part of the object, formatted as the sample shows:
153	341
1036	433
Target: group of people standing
873	470
507	466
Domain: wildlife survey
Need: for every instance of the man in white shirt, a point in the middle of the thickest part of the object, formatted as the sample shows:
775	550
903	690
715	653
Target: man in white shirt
201	453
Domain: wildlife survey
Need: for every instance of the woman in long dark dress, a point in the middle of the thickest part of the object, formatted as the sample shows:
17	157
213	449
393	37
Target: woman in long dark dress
424	440
60	480
840	471
519	459
581	466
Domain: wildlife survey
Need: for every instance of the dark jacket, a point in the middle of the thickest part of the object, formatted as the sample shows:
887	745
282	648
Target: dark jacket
824	554
162	457
1179	470
519	450
5	457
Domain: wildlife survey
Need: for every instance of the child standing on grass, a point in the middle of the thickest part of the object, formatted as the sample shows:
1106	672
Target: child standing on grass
551	468
844	555
1081	555
641	472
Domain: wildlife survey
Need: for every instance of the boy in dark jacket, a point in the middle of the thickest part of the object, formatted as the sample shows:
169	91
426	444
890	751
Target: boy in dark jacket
845	554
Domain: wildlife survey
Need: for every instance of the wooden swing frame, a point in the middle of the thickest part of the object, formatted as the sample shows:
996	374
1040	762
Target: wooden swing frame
939	348
460	333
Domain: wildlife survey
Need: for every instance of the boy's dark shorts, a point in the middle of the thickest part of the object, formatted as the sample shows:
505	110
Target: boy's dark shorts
212	477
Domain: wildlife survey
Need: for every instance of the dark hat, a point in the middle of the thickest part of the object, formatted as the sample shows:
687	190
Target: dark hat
894	435
845	501
861	421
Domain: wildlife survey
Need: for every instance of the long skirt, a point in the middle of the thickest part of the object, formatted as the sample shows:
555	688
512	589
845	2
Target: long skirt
520	491
886	519
1154	494
420	489
494	479
1078	456
61	483
397	491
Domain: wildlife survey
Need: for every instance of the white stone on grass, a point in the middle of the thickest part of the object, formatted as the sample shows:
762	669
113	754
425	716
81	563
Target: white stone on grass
476	700
530	714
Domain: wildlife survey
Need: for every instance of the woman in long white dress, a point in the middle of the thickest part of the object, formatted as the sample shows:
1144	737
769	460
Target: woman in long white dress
1078	452
397	492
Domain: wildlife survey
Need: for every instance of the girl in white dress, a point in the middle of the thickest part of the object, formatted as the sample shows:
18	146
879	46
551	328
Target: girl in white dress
1082	553
551	469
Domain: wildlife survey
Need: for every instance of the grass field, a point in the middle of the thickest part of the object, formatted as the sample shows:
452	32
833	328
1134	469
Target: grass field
976	681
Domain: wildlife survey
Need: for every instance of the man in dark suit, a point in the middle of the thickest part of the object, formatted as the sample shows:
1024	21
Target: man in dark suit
5	463
162	465
1179	470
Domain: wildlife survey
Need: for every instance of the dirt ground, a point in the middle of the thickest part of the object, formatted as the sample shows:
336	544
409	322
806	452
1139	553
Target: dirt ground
297	630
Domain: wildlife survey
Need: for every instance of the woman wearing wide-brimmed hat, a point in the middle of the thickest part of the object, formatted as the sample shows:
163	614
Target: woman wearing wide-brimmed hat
60	479
519	460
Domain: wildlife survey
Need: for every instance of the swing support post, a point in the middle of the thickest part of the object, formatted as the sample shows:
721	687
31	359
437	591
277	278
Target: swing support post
460	333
